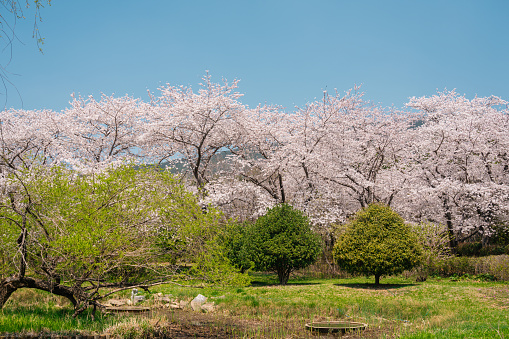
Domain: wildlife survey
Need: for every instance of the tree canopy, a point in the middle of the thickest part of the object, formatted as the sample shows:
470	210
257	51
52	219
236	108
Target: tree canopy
377	242
443	160
73	234
282	241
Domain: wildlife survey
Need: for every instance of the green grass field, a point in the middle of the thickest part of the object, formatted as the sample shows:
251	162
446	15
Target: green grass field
437	308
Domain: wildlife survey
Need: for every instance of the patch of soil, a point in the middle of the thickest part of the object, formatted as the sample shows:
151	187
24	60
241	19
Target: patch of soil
198	331
190	324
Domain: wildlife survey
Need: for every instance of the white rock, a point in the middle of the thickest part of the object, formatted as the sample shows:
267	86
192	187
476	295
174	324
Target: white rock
197	302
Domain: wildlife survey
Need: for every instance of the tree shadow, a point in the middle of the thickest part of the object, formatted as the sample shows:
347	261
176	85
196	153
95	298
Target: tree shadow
372	286
269	284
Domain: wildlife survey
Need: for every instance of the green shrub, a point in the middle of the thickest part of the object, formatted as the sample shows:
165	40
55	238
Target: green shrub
494	265
457	266
501	234
377	242
497	265
282	241
236	248
492	250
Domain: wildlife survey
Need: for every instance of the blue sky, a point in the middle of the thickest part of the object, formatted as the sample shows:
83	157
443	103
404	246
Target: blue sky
284	52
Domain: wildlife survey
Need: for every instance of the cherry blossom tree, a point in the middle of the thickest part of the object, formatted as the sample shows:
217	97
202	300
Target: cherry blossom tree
460	163
328	158
28	137
192	127
96	133
253	180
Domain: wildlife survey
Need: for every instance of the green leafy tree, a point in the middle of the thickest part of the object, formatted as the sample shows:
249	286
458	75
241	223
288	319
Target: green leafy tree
377	242
236	246
73	235
282	241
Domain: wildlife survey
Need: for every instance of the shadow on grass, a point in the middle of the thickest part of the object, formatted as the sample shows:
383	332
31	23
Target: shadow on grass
372	286
275	283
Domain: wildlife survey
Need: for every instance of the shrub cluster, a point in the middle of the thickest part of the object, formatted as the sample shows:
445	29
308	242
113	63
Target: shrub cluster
496	266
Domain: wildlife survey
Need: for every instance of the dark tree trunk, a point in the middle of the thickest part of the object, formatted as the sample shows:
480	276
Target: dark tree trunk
7	288
283	275
281	189
448	220
377	279
11	284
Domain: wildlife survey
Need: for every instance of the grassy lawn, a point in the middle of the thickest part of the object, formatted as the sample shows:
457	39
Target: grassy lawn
437	308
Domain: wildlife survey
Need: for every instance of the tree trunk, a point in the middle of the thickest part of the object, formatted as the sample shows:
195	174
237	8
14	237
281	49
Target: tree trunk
7	287
377	279
448	220
281	189
13	283
283	275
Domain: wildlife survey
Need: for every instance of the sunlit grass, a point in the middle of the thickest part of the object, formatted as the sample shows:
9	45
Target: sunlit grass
36	311
437	308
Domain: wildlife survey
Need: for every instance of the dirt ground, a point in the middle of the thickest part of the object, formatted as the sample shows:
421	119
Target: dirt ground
189	324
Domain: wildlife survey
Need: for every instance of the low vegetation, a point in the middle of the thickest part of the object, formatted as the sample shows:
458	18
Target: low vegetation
470	307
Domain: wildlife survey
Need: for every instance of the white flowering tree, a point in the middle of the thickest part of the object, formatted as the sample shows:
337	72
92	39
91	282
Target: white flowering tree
28	137
460	163
328	158
96	133
194	128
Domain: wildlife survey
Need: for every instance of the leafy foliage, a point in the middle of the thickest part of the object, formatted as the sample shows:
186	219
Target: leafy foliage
236	246
377	242
282	241
73	234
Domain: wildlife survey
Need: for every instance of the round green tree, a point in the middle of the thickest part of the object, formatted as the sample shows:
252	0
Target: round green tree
377	242
282	241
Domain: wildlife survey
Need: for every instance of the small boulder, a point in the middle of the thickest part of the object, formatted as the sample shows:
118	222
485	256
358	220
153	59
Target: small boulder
197	302
208	307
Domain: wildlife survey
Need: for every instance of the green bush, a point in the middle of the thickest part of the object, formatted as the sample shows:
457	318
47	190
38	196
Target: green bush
469	249
282	241
377	242
236	249
492	250
496	266
501	234
456	266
